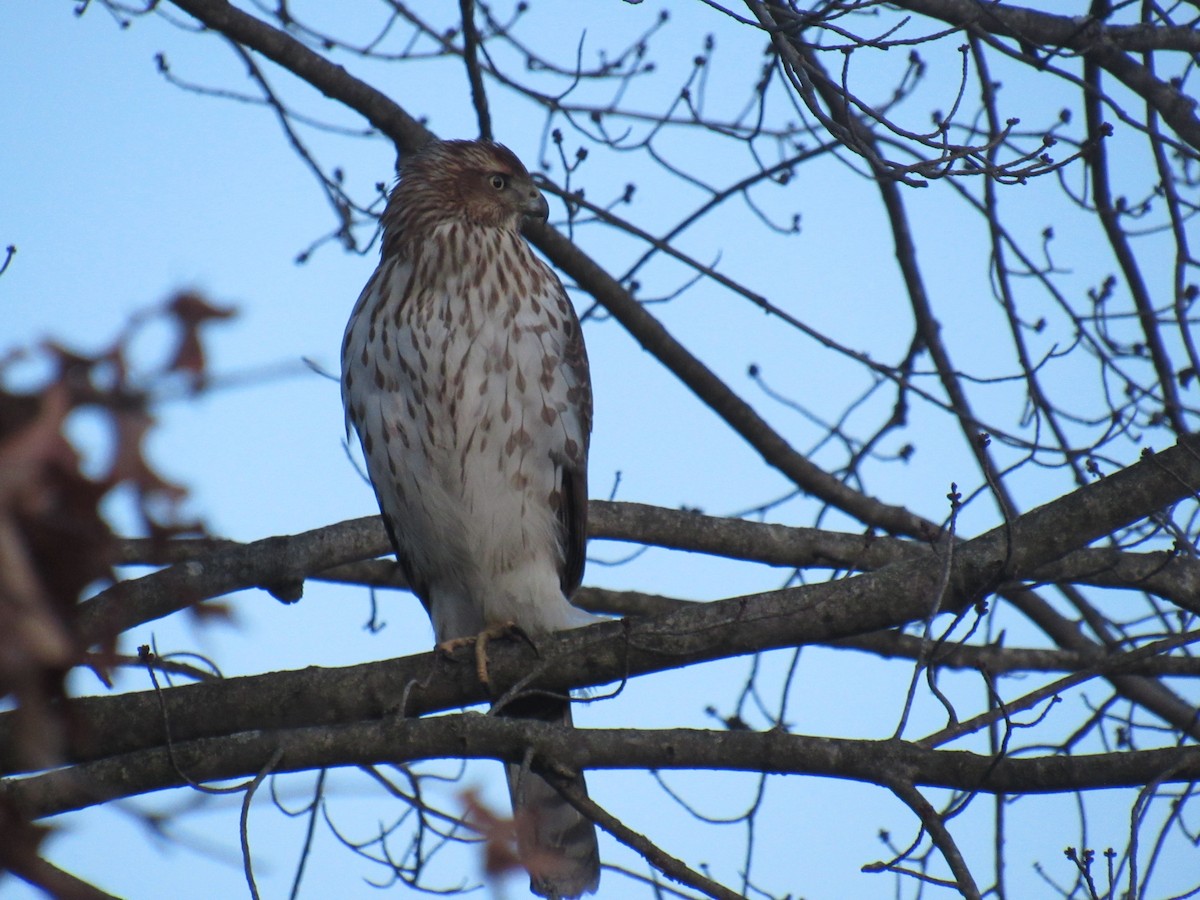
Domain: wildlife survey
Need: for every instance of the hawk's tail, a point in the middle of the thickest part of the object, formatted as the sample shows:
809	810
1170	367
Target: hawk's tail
556	842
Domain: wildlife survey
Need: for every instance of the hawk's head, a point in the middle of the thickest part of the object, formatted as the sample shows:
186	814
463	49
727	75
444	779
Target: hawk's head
482	182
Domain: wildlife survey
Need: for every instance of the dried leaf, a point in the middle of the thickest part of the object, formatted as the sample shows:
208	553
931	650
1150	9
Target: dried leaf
499	835
190	311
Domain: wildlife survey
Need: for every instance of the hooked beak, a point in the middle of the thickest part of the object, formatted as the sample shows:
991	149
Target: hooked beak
535	205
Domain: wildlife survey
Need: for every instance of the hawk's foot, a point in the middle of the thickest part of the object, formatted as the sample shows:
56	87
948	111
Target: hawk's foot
481	640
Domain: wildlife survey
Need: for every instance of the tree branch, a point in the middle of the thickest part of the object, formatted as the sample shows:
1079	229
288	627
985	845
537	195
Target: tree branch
225	566
399	740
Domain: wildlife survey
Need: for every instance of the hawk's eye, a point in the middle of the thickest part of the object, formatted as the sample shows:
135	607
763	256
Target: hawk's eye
499	182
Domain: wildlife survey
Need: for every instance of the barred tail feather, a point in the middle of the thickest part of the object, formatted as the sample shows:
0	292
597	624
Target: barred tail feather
557	844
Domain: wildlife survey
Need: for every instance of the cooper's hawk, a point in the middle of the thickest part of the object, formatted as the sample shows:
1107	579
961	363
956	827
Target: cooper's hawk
464	374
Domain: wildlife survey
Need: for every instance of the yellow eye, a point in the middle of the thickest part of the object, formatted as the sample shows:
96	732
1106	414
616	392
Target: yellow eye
499	182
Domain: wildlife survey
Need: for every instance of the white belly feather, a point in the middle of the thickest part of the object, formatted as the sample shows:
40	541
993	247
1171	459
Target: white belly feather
464	443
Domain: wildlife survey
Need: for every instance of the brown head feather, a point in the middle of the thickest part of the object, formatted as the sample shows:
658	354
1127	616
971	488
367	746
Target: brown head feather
480	183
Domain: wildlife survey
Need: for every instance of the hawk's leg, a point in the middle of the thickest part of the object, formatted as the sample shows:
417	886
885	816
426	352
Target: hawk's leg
481	640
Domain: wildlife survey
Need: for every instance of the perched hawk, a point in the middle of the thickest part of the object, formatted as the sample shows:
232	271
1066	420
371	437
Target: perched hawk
465	376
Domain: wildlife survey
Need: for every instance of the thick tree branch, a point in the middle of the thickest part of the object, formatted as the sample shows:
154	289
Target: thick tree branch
399	740
1078	33
277	564
219	567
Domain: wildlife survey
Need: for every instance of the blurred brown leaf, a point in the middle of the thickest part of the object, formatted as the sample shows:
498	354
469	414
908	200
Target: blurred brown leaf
53	543
498	832
54	540
190	311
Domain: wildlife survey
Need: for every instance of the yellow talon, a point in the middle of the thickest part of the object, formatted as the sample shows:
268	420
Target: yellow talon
504	629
